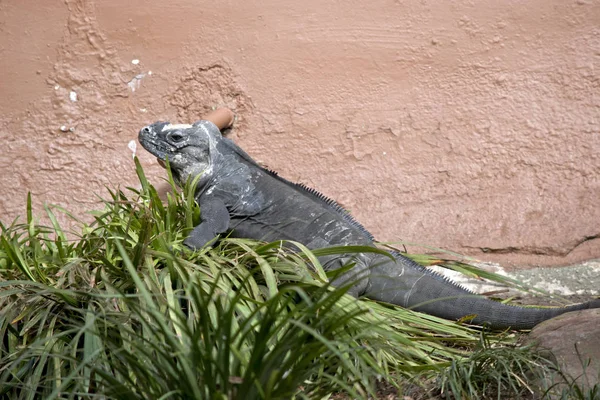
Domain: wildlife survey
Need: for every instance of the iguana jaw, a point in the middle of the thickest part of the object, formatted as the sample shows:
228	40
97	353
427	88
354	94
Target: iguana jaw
149	139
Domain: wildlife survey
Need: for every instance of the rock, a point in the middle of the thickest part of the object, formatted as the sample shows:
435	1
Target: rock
573	339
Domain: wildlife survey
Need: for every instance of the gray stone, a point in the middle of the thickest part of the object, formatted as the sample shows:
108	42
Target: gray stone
573	339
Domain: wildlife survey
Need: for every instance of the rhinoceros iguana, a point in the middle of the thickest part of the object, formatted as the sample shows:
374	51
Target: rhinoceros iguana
238	197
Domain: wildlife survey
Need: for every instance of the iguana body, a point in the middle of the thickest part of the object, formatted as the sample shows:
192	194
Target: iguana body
238	197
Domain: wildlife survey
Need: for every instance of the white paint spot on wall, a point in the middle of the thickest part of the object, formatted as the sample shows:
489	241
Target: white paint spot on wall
136	82
73	96
135	61
132	145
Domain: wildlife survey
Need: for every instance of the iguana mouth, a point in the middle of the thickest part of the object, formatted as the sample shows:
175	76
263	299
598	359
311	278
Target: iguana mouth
154	148
156	151
151	141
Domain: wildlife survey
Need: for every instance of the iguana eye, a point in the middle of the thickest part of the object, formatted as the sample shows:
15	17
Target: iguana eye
176	137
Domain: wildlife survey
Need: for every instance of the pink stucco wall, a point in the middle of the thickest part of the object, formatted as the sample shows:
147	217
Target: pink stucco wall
472	126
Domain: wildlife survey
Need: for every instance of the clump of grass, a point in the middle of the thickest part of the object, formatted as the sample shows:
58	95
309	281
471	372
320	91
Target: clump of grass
492	371
125	311
509	371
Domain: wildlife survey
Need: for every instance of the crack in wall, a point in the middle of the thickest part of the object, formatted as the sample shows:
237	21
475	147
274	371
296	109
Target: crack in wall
555	251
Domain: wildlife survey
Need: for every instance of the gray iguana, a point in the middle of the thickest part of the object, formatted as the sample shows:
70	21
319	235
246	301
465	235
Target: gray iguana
238	197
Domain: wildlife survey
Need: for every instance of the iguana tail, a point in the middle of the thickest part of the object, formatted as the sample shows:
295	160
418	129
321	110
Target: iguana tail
408	284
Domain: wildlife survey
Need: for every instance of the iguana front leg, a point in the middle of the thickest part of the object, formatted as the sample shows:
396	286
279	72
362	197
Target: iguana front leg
214	221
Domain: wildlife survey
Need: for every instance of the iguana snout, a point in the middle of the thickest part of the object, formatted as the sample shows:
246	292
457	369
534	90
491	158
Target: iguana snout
188	148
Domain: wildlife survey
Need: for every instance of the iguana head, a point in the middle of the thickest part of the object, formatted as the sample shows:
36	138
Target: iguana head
190	149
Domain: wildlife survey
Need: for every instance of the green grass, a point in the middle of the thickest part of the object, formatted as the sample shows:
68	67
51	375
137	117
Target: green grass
123	310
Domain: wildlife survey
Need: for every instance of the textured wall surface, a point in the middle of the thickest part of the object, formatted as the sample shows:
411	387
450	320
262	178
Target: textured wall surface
473	126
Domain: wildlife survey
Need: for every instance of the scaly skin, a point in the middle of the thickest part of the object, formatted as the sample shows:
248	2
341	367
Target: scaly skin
238	197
